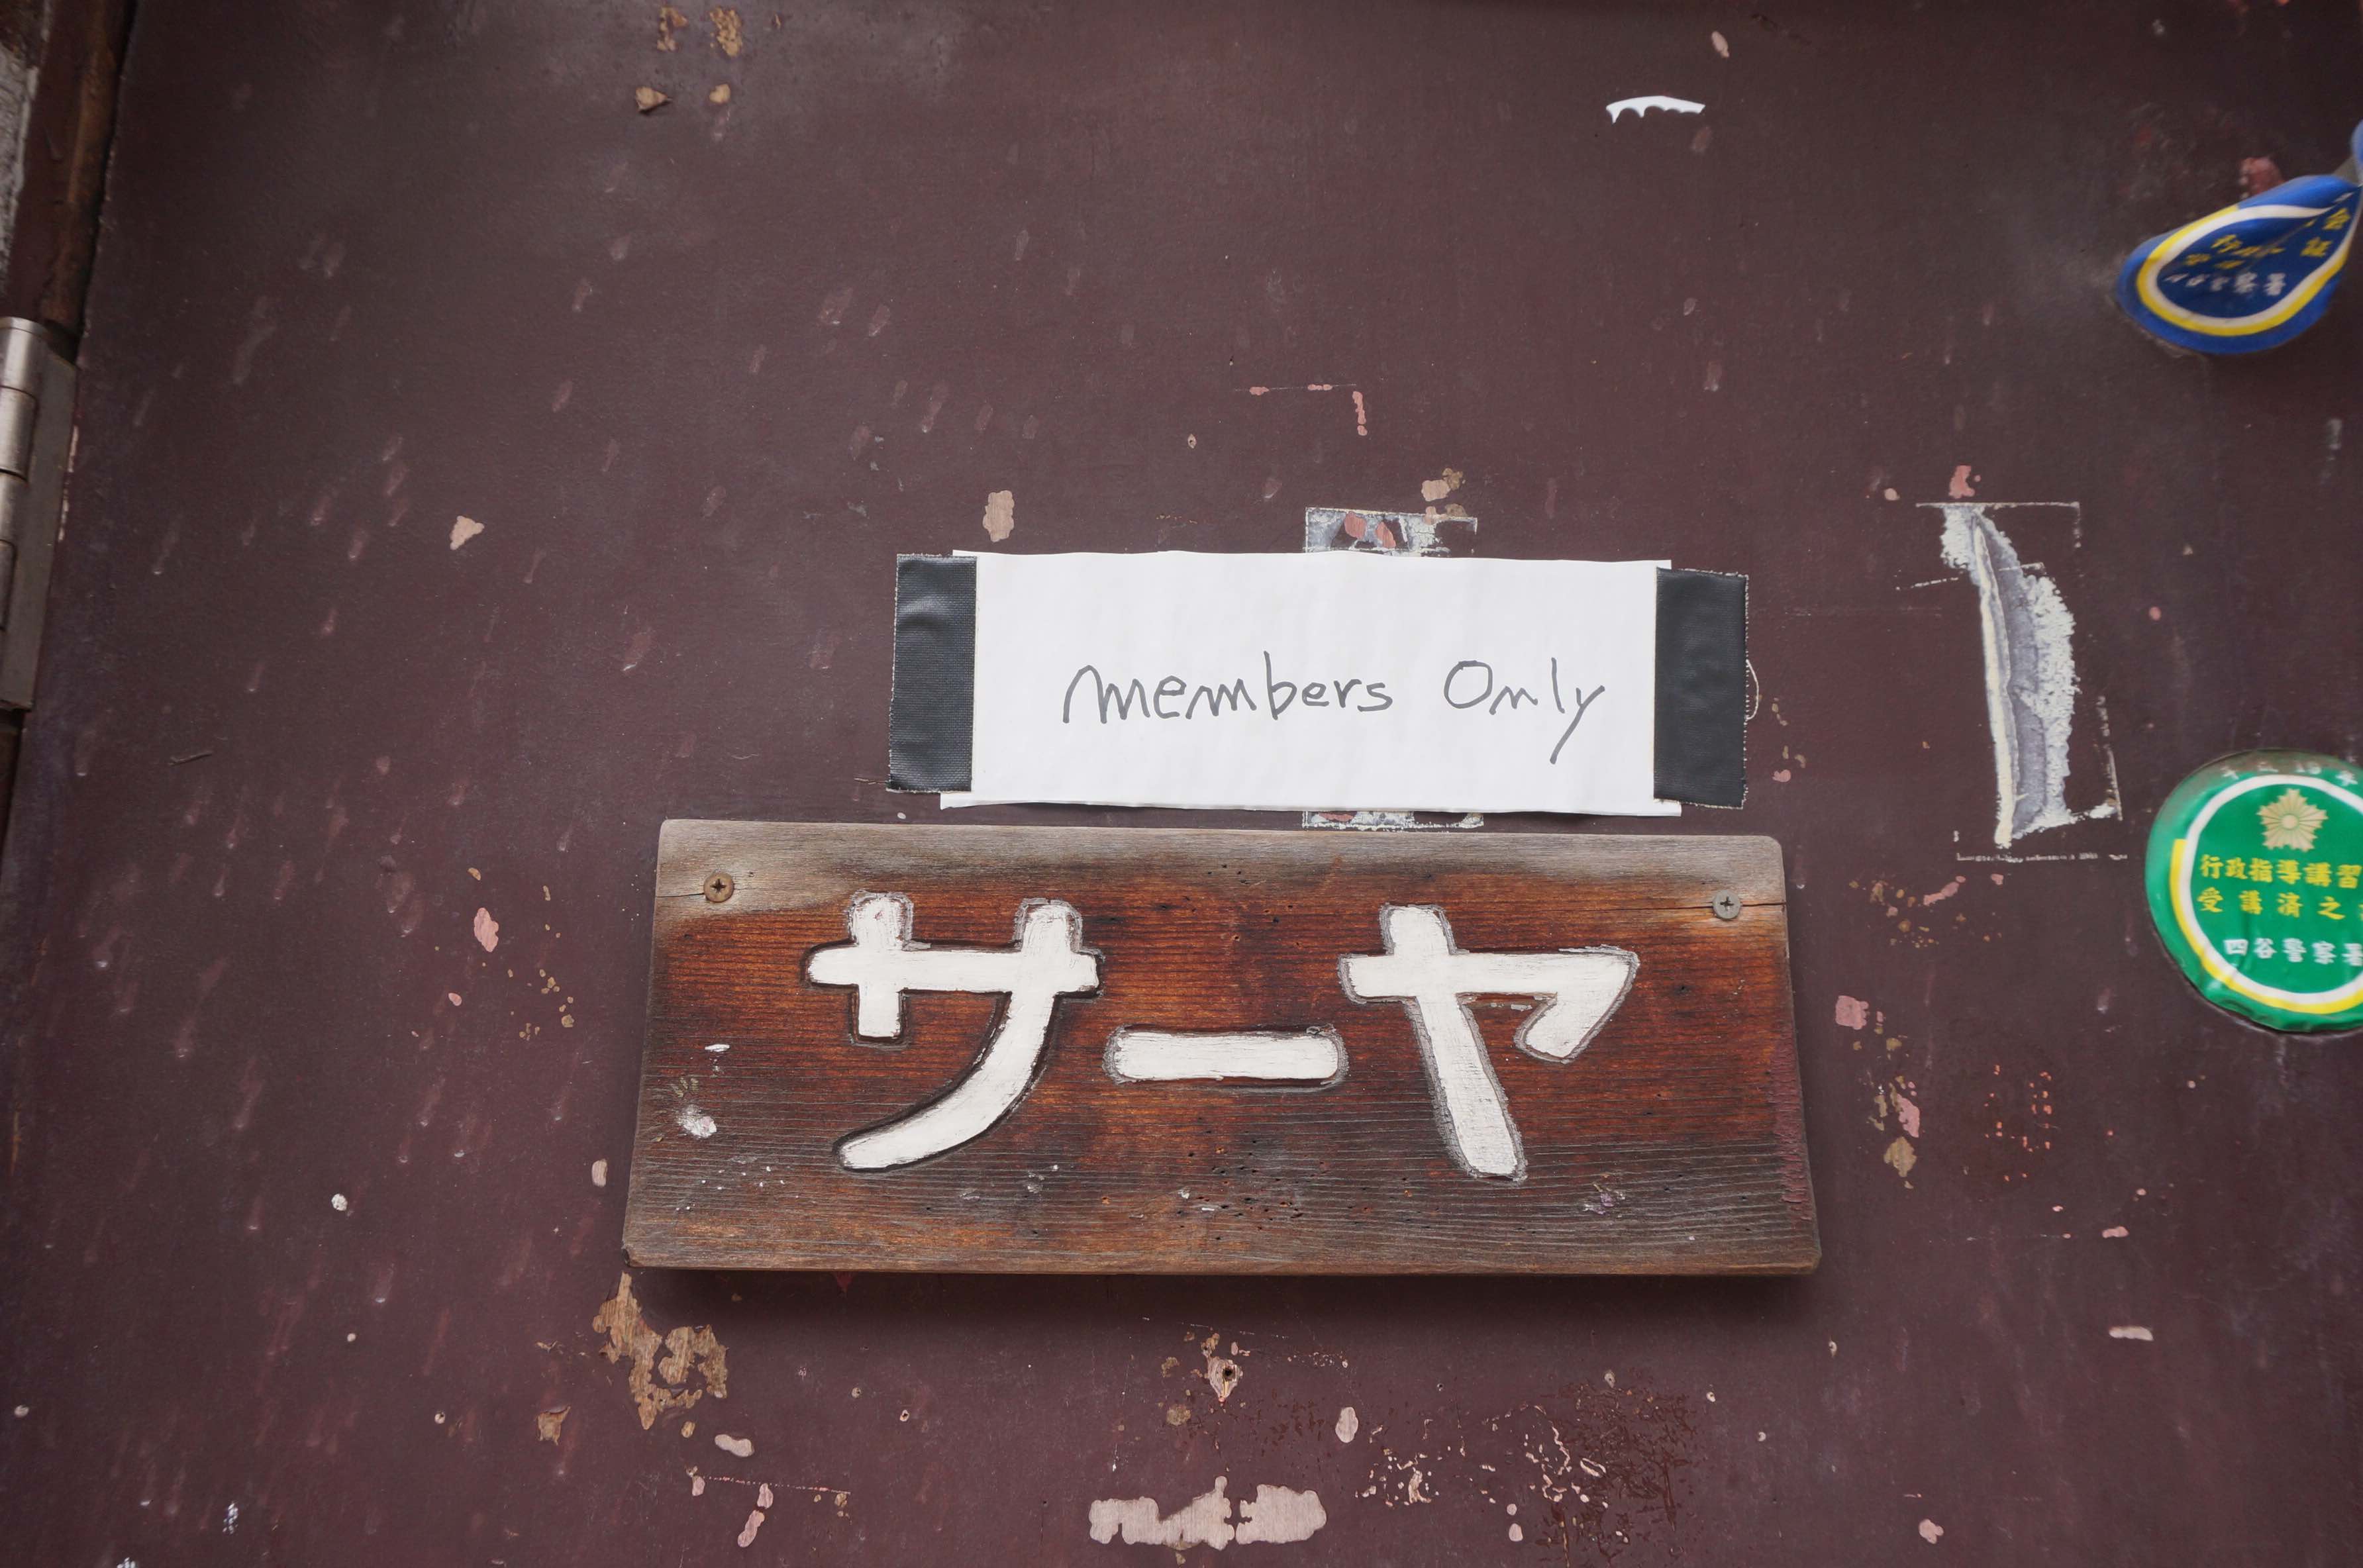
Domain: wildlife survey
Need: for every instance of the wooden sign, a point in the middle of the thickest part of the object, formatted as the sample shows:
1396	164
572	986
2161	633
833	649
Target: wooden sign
1140	1050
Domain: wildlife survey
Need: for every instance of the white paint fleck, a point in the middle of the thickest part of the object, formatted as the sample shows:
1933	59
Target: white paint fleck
1642	105
718	1047
2114	1232
598	1172
1517	1531
464	529
2131	1331
754	1523
23	1410
1931	1532
763	1496
1907	1114
229	1519
1722	44
743	1447
693	1121
488	930
1348	1424
337	1201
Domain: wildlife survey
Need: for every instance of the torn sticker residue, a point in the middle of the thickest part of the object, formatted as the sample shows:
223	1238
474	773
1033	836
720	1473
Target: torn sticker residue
1428	532
2030	673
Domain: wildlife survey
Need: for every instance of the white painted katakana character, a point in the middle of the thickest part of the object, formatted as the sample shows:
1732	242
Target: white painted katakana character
1309	1058
881	962
1579	989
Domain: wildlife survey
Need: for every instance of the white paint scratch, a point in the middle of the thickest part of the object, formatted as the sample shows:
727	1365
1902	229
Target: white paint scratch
1642	105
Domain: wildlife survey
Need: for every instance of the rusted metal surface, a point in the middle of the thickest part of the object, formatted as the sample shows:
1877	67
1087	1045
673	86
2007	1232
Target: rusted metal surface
75	51
699	374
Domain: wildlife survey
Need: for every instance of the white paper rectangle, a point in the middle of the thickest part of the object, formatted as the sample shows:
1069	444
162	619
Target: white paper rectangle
1330	681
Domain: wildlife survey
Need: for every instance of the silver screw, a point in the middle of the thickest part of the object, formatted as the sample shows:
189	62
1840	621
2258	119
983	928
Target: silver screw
1725	906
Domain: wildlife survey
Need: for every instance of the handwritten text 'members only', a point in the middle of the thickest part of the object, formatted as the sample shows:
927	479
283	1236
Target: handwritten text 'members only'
1471	686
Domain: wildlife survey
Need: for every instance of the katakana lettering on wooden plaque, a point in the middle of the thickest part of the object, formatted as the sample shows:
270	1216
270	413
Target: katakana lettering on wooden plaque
1193	1051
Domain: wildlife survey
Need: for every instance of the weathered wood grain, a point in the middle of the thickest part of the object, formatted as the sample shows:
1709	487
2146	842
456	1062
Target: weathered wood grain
1673	1143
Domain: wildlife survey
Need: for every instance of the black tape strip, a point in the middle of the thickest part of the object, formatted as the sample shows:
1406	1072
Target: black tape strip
931	717
1702	757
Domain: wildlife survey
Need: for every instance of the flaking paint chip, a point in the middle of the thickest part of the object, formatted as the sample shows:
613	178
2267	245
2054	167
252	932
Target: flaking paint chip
1000	514
464	528
487	929
648	100
721	94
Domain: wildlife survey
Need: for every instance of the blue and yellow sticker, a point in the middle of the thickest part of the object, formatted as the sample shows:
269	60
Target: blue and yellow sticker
2251	276
2254	879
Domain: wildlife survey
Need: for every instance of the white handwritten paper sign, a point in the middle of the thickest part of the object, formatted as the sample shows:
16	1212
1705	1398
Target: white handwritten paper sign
1316	681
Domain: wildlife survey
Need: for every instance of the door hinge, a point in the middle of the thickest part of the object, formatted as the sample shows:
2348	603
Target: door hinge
36	414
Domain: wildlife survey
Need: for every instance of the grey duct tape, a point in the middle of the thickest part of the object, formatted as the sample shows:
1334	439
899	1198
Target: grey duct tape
1702	724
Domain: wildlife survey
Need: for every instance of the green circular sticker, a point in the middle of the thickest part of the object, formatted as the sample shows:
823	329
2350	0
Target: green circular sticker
2256	882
